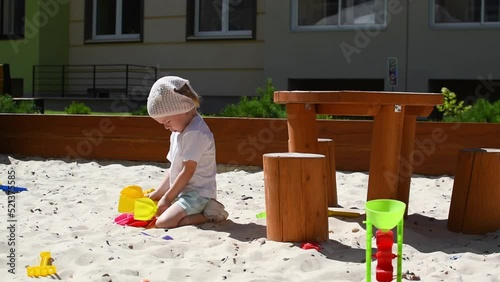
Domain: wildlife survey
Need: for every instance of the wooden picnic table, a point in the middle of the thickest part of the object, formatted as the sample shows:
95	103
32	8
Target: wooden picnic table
393	136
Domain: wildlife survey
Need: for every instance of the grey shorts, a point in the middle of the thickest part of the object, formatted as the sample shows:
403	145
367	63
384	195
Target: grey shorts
191	202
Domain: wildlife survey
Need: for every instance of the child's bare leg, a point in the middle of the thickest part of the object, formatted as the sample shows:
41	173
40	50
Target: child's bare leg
193	219
170	217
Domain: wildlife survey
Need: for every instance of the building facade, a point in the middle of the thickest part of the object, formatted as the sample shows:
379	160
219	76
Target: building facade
227	48
32	33
432	43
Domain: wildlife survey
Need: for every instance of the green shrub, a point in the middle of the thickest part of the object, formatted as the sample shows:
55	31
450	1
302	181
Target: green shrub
76	108
451	107
481	111
142	111
261	106
8	105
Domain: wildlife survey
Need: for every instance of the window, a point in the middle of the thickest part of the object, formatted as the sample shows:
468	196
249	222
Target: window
466	12
11	19
221	18
113	20
334	14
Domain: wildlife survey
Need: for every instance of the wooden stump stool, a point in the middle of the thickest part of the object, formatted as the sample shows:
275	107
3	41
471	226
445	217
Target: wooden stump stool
326	148
296	205
476	192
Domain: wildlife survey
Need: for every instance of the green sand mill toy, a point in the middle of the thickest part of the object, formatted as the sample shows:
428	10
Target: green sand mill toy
384	214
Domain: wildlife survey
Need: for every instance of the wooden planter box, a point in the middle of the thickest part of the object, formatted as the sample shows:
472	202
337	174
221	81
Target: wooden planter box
240	141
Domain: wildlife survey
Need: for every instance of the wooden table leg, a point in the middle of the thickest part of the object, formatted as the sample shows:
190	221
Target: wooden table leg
406	160
326	147
385	152
302	128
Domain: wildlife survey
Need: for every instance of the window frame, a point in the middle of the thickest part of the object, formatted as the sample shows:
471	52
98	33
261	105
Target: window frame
14	35
460	25
192	24
90	35
294	18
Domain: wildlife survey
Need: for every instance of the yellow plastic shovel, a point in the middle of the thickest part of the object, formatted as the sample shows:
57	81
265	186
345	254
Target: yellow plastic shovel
144	209
128	195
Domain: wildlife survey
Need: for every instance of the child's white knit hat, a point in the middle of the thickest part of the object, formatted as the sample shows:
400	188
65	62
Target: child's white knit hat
163	99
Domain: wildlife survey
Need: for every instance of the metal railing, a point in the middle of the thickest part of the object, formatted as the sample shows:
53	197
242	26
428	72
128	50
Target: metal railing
93	81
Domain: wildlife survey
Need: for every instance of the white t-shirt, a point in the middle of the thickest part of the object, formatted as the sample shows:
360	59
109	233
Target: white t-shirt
195	143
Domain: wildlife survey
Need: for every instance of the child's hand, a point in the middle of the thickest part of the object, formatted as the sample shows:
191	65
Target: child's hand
149	191
154	195
163	204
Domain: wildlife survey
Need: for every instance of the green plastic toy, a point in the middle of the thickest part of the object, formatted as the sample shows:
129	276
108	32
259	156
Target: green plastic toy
384	214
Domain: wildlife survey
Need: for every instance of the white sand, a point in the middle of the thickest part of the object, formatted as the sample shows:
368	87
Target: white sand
70	207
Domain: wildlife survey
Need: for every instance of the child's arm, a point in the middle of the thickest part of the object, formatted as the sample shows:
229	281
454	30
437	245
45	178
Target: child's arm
178	185
162	188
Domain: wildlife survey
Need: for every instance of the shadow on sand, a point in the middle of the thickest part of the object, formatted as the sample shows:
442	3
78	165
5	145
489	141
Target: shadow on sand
423	233
250	231
427	235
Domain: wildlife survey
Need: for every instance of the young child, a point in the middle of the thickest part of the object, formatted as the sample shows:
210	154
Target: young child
187	194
